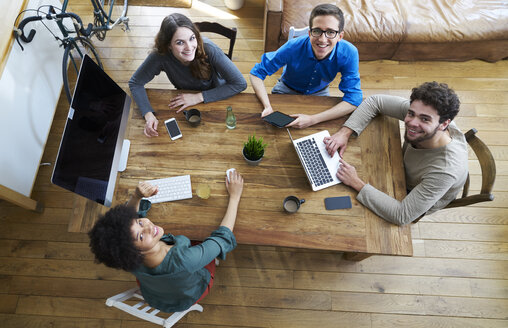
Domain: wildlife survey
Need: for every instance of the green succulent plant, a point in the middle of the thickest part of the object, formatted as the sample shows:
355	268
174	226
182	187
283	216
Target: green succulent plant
254	148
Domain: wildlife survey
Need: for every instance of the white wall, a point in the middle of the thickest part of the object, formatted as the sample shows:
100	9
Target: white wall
30	87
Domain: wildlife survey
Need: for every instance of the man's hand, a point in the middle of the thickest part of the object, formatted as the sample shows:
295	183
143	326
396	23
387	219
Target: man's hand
259	89
151	125
144	189
302	121
235	184
347	174
338	141
267	111
185	100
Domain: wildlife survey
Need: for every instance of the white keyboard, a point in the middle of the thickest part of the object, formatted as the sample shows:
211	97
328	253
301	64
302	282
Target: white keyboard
173	188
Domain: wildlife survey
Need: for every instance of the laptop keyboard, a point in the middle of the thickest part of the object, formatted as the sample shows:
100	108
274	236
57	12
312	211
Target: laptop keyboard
314	162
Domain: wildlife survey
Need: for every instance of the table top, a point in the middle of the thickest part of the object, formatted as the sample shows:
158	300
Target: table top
208	150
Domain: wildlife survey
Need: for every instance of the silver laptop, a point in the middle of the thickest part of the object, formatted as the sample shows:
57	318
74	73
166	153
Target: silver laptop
320	168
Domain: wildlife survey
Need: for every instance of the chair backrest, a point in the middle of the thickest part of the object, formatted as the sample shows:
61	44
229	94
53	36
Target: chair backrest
142	310
296	32
488	167
229	33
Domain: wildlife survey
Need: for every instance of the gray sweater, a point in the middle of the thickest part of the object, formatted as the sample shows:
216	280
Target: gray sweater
226	79
434	177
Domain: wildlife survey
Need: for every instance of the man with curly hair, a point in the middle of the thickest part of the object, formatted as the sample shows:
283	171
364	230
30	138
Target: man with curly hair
173	273
435	152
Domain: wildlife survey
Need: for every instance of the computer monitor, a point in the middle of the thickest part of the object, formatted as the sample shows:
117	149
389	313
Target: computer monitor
93	140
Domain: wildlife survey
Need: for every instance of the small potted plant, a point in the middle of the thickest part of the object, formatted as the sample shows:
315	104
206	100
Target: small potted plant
253	150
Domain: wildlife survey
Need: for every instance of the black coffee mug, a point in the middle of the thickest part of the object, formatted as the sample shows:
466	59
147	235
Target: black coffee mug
291	204
193	116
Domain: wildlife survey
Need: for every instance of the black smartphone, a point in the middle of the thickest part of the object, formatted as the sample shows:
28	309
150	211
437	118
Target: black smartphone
278	119
338	203
173	129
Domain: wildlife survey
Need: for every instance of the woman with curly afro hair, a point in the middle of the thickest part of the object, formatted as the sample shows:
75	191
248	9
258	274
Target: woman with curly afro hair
173	273
191	63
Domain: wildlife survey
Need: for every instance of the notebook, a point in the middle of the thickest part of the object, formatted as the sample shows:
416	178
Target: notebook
320	168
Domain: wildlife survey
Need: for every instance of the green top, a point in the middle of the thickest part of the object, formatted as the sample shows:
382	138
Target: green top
181	279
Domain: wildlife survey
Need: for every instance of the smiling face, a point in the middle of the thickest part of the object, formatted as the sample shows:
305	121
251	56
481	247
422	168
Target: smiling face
322	46
183	45
146	235
422	125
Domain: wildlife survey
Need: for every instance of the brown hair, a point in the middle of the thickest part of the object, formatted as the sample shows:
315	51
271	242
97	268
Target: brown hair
200	67
327	9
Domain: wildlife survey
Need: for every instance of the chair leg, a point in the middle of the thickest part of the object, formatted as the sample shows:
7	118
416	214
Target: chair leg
175	317
143	311
122	296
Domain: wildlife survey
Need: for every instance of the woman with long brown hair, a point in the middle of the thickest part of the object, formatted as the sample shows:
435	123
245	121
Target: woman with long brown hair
191	63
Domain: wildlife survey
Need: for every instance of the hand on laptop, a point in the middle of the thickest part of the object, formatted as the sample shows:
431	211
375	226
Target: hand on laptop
302	121
338	141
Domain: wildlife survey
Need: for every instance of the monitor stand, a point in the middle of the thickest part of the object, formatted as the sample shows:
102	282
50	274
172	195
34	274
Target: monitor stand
122	165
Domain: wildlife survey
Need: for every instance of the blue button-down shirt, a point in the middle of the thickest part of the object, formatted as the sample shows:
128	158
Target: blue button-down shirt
307	75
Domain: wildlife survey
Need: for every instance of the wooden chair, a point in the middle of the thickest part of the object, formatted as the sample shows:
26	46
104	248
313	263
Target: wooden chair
229	33
488	167
296	32
144	311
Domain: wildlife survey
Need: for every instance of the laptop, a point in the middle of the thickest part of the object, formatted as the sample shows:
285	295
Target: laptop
320	168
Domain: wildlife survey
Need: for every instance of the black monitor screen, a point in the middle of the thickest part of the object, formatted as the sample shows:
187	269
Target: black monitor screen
86	156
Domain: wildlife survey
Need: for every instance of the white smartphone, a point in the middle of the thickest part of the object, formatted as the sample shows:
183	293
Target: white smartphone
173	129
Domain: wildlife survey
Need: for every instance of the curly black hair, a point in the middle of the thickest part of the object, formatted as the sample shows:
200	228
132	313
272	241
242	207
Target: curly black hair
111	240
438	95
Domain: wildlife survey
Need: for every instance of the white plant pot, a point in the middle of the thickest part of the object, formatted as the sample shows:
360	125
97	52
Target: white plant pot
250	161
234	4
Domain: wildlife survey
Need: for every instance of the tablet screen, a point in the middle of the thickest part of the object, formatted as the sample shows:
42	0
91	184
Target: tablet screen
279	119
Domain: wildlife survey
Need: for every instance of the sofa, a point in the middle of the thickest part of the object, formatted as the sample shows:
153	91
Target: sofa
452	30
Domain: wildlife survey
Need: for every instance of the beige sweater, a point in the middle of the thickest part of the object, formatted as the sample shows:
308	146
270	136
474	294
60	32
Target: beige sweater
434	177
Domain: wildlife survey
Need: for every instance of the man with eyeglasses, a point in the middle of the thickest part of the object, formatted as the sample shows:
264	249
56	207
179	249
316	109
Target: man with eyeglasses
311	64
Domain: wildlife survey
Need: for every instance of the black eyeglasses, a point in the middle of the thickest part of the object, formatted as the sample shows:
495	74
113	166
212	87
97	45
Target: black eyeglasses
330	34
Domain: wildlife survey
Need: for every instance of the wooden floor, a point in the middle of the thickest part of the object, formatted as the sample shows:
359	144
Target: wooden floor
456	278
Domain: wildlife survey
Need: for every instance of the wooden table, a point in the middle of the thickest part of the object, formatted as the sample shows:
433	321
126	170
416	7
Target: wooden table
207	151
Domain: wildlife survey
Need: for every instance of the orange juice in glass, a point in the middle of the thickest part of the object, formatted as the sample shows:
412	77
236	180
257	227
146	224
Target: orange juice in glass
203	191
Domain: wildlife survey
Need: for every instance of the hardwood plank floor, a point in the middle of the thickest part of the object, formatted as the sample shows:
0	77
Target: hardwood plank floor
458	276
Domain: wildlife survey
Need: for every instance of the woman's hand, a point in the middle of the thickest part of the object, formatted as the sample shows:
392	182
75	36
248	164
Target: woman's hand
151	125
185	100
144	189
235	184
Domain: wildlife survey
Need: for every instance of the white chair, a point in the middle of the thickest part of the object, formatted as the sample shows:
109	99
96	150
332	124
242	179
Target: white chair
144	311
296	32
